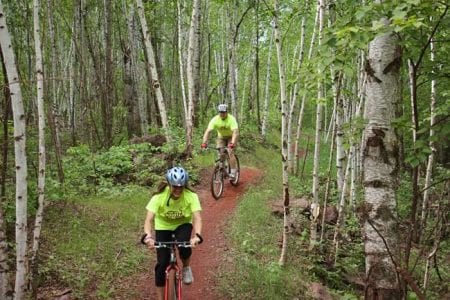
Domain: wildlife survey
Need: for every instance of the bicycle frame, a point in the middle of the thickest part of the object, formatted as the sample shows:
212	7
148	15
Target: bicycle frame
221	171
173	266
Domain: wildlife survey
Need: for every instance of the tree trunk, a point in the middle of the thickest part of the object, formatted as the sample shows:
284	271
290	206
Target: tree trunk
432	145
266	91
284	133
318	134
33	273
54	123
20	157
107	103
193	73
380	168
180	60
155	84
6	288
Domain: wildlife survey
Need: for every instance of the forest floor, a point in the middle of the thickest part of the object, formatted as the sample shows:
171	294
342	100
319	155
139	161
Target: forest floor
208	257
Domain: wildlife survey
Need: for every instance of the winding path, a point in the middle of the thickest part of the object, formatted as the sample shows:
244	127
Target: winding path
208	256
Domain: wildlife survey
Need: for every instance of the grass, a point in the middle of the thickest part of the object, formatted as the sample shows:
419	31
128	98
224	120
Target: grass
91	242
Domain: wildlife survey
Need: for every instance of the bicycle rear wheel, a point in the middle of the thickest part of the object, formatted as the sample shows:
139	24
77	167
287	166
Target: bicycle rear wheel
235	181
217	183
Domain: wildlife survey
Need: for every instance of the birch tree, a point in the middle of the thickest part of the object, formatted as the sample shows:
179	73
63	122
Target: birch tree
181	59
432	144
318	134
266	89
193	74
20	156
41	132
6	288
155	84
284	133
380	168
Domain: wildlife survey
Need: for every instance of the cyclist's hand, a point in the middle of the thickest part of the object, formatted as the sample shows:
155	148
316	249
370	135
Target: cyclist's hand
231	145
204	145
195	241
149	241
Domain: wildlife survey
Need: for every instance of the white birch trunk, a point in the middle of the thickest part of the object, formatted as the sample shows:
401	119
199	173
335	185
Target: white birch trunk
380	168
291	150
284	133
192	72
266	90
302	106
180	61
231	62
341	207
156	85
432	144
20	157
41	132
318	134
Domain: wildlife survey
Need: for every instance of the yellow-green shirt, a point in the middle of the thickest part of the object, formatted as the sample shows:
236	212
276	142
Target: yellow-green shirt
224	127
171	213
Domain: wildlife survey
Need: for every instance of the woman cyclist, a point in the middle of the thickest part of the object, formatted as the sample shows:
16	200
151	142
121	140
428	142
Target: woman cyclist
173	209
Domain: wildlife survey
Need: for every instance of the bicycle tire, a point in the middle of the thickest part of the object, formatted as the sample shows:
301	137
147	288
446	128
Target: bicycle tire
217	183
177	288
235	181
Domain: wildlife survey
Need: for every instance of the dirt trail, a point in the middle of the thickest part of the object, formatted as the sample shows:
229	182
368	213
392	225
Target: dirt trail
209	255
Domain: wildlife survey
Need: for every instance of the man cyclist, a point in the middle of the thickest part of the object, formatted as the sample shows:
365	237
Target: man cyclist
227	133
173	209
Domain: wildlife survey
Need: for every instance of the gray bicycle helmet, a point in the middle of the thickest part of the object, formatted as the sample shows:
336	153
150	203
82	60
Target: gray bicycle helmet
222	108
177	176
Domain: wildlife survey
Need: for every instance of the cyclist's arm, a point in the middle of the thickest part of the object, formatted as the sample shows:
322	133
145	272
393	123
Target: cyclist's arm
148	224
235	136
197	225
206	135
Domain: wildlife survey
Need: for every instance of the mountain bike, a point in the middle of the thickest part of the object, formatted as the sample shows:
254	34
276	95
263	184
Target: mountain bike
173	273
222	170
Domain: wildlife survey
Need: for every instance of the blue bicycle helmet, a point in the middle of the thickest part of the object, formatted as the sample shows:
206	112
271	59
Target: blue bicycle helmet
177	176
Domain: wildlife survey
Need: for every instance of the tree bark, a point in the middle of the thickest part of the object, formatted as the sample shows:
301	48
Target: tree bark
193	74
284	133
380	166
6	288
20	157
155	84
42	156
318	134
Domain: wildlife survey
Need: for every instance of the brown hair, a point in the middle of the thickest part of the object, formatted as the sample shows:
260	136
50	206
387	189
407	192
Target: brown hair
162	185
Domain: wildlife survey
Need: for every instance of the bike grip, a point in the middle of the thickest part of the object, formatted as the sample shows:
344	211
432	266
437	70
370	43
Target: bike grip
143	238
200	237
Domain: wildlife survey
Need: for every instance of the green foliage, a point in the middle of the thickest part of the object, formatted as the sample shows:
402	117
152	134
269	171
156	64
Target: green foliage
93	243
87	172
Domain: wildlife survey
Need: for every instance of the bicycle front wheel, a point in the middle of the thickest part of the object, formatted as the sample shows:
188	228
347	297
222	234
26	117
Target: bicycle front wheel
217	183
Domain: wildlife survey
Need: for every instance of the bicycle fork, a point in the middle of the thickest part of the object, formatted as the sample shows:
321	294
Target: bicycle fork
177	282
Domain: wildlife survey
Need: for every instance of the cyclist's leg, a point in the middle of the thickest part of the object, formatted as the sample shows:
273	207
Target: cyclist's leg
162	261
232	159
183	234
221	143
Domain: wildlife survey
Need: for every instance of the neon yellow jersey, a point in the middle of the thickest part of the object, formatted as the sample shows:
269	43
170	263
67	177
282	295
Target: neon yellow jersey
171	213
224	127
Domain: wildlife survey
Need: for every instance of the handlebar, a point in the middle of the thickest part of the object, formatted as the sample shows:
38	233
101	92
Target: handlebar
170	244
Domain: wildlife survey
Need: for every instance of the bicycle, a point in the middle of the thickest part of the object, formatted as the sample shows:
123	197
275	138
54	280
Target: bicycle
173	288
222	170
